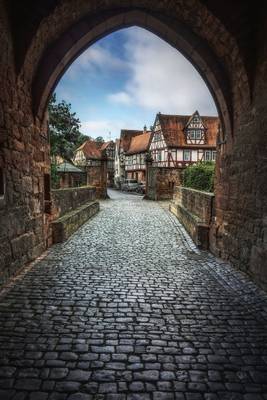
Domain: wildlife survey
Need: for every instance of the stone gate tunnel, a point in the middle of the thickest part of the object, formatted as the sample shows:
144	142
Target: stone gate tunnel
226	42
223	40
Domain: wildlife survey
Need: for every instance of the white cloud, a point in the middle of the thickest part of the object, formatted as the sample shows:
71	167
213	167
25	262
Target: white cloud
120	98
96	58
102	127
161	78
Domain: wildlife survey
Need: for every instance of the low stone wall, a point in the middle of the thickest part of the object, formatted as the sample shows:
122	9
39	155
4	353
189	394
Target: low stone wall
194	209
65	226
161	182
71	207
66	200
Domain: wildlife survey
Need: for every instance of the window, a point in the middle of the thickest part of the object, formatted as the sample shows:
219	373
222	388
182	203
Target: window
2	183
158	156
208	155
213	155
187	155
198	134
192	135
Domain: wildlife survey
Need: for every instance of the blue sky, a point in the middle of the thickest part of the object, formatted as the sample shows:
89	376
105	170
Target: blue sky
124	79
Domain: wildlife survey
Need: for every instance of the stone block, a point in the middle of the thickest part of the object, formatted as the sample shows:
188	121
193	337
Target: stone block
65	226
22	244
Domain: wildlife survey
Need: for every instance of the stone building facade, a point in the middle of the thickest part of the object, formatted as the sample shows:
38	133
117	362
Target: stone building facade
230	54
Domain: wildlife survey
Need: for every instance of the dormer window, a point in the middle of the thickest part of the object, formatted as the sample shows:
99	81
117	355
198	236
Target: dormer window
194	130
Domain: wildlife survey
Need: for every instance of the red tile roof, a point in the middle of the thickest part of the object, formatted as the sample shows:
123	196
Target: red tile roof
105	145
90	149
140	143
173	129
126	136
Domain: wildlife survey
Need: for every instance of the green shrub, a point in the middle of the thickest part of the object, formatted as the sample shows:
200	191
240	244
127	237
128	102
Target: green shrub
200	176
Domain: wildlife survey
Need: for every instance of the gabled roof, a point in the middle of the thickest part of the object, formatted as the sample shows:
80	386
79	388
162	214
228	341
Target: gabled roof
126	136
90	150
140	143
105	145
68	167
173	127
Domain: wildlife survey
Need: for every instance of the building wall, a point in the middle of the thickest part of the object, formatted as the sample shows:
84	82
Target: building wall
239	231
140	176
97	176
24	160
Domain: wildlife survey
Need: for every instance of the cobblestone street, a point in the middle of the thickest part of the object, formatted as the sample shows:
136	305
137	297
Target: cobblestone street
130	309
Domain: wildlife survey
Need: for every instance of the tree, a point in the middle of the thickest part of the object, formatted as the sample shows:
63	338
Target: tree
64	129
99	139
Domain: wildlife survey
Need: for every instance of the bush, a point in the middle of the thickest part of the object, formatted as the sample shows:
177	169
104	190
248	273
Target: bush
200	176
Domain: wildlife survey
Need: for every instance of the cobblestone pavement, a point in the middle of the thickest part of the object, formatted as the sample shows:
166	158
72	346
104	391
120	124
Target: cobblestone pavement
129	309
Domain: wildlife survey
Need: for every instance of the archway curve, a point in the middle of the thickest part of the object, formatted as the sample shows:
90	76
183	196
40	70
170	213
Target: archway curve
86	31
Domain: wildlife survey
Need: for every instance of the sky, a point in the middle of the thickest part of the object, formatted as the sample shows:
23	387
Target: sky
123	80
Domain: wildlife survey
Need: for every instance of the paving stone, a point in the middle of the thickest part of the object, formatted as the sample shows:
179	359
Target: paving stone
39	396
79	375
80	396
132	310
67	386
28	384
58	373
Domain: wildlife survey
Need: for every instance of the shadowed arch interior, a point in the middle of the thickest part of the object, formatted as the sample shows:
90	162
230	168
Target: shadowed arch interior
58	57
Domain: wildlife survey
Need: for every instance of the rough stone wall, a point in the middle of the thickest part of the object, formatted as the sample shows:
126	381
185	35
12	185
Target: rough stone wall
66	200
161	182
24	159
194	209
97	176
196	202
239	231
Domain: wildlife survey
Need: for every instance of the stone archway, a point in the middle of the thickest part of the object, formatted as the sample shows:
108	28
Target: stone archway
36	54
72	43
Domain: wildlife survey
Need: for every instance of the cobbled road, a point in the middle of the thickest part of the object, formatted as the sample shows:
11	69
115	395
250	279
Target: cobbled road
129	309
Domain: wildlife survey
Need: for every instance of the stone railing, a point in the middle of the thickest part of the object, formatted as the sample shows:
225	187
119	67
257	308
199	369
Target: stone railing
67	200
194	209
71	208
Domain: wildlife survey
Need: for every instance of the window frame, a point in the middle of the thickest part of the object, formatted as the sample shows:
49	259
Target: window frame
190	155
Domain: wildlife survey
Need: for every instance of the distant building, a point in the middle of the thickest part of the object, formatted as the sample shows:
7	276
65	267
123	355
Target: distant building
88	154
93	160
69	175
121	149
109	149
135	157
181	140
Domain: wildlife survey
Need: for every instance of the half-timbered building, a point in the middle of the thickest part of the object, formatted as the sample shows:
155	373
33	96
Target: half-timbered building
108	148
121	149
135	157
180	140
